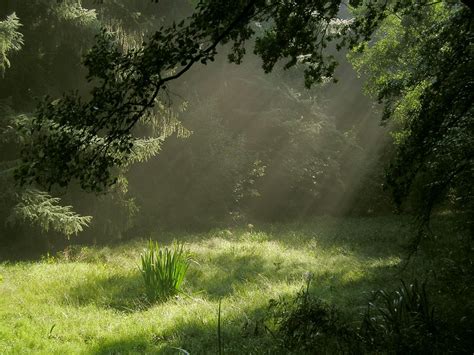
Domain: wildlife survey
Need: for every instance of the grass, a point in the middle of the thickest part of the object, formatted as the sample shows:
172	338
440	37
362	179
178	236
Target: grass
92	300
163	270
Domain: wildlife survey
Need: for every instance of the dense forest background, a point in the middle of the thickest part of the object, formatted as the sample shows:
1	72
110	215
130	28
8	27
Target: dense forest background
248	146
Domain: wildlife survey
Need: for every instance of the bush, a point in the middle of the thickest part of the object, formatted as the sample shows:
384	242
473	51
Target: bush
163	270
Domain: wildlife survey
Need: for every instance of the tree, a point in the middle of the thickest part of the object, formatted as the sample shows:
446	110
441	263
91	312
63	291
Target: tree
25	204
84	138
53	37
420	66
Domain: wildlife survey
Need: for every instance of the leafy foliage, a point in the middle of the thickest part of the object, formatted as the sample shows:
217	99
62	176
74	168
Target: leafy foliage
163	270
427	88
427	93
262	148
94	138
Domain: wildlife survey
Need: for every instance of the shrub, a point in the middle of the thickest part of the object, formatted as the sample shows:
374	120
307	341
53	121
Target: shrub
163	270
402	320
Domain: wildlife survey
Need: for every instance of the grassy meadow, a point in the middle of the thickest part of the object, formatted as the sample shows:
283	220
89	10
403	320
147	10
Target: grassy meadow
91	300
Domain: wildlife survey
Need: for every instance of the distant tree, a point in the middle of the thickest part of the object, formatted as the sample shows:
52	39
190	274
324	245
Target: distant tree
262	147
84	138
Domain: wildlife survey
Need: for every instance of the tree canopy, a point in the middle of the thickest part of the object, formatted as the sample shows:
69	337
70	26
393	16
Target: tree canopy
420	66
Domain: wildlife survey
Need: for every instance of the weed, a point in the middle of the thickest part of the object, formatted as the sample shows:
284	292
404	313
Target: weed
403	319
163	270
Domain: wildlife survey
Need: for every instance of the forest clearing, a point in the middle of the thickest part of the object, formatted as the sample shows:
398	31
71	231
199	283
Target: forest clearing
236	177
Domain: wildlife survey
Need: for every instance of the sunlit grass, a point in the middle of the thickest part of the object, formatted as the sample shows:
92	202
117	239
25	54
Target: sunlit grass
93	300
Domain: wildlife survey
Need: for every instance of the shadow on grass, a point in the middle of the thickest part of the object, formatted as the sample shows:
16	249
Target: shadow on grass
139	344
366	237
195	337
226	272
124	293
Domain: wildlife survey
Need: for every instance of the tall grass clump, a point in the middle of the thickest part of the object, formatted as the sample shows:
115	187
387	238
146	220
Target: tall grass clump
163	270
403	320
